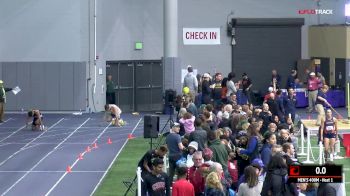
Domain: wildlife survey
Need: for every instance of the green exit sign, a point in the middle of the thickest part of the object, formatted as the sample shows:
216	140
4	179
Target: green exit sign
138	45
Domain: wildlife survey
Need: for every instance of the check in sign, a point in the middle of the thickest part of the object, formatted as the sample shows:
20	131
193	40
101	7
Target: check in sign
201	36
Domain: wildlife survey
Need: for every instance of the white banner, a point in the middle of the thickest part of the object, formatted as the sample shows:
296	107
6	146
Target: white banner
201	36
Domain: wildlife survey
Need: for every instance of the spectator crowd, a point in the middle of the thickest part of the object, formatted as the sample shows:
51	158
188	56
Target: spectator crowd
217	147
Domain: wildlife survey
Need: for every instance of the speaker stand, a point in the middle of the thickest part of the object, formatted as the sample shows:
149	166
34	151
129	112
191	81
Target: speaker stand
150	144
170	120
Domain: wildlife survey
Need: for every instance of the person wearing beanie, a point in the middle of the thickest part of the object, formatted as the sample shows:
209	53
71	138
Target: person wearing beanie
192	148
207	156
206	90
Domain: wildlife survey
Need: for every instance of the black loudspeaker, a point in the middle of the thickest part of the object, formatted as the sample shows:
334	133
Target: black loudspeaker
151	126
170	96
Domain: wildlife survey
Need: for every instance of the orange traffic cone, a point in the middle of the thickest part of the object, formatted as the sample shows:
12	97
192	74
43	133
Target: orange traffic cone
109	141
80	157
88	149
130	136
69	169
94	145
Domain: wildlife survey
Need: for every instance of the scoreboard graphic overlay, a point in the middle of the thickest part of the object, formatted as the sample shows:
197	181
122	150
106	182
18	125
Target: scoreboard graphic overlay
315	174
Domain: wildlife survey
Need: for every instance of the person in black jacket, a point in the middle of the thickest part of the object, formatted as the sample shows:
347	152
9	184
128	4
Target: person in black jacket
216	90
325	189
199	135
146	163
247	85
275	78
289	103
275	182
291	79
157	182
206	90
266	115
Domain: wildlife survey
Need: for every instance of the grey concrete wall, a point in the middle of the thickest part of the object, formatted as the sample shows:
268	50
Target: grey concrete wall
62	30
48	86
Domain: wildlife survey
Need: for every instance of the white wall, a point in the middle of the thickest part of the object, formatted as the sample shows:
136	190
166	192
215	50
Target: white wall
43	30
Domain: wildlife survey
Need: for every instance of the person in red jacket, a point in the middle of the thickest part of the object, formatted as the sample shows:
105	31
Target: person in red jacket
182	187
233	170
195	174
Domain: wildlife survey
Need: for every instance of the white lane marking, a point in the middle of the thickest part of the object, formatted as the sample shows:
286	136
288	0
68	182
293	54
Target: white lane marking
12	133
8	158
122	132
110	165
49	153
8	120
75	162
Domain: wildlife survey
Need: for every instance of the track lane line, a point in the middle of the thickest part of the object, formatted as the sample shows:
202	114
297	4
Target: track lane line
12	133
48	154
75	162
110	165
8	158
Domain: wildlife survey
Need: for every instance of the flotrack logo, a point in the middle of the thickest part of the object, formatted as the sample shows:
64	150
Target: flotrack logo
316	11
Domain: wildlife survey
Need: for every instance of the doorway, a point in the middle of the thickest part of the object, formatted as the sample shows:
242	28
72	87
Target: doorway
340	73
263	44
138	84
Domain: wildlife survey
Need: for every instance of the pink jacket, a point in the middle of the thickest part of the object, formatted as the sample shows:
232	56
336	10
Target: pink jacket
188	124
